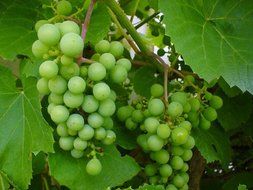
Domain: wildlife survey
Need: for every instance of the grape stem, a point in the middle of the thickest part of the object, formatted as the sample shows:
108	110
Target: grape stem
84	60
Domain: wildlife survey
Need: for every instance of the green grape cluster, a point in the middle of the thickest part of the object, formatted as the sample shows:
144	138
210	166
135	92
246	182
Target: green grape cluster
81	103
166	132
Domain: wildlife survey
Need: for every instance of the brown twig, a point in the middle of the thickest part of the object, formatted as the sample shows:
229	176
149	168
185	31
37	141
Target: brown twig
84	60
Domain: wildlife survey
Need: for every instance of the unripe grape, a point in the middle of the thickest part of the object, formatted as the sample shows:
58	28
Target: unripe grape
102	46
175	109
178	181
55	98
187	107
160	52
68	71
165	170
204	123
161	156
150	169
113	95
156	90
210	114
216	102
156	107
107	60
130	124
90	104
189	79
95	57
76	85
180	97
208	95
108	123
125	63
86	133
68	27
71	44
179	135
185	187
59	114
49	34
84	71
62	130
57	85
146	113
64	7
101	91
116	49
155	143
186	124
66	143
185	167
151	124
93	167
190	143
176	162
171	187
42	86
100	133
142	141
72	100
177	150
195	104
95	120
109	138
75	122
187	155
65	60
107	108
96	71
118	74
50	107
48	69
72	132
77	153
137	116
39	23
124	112
163	131
80	144
39	49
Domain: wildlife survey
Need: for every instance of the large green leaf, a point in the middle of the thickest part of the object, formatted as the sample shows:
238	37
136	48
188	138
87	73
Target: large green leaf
213	145
214	36
71	172
22	128
239	178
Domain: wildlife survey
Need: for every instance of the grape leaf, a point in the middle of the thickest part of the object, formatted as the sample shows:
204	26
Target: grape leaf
214	37
235	111
71	173
239	178
17	19
213	145
29	67
151	187
230	92
242	187
22	128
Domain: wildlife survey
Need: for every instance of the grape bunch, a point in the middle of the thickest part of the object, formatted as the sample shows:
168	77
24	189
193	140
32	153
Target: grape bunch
81	103
166	131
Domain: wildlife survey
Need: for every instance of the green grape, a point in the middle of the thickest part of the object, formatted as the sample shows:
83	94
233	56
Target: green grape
64	7
102	46
146	113
42	86
95	57
48	69
68	71
208	95
185	176
101	91
165	170
83	71
180	97
162	156
187	155
76	85
185	187
153	179
210	114
185	167
193	116
86	133
68	27
163	131
93	167
113	95
90	104
39	23
108	123
156	107
195	104
39	49
125	63
107	60
189	79
171	187
95	120
62	130
71	44
186	124
50	107
178	181
179	135
216	102
177	163
55	98
66	143
187	107
109	138
80	144
96	71
175	109
151	124
150	169
75	122
124	112
118	74
65	60
72	132
72	100
130	124
137	116
76	153
166	41
156	90
49	34
155	143
100	133
160	52
142	141
59	114
107	107
116	49
204	124
177	150
57	85
190	143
